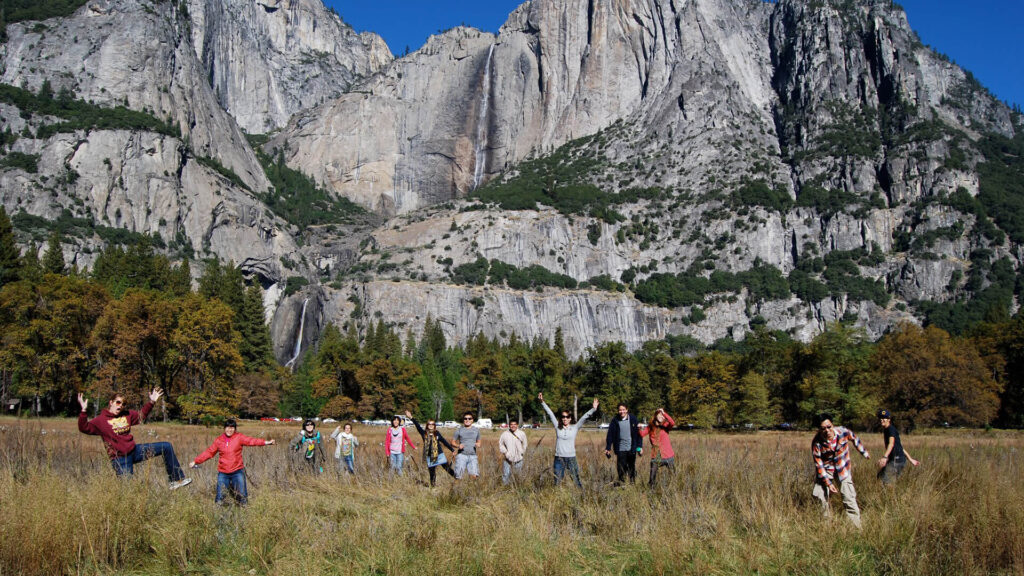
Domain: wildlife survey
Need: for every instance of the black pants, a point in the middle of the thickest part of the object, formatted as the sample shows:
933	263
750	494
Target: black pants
625	463
433	471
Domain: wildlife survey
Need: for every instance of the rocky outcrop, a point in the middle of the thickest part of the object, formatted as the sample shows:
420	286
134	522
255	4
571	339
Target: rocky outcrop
268	60
127	53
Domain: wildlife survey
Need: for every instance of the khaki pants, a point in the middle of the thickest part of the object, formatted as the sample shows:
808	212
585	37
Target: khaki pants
849	494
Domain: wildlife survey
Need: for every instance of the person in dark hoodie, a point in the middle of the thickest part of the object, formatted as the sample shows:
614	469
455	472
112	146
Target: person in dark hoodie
230	467
624	439
114	426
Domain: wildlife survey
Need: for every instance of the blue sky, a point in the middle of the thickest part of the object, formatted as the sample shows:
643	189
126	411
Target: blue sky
983	36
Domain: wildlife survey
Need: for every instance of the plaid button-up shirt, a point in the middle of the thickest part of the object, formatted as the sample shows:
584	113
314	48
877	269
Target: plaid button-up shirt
832	457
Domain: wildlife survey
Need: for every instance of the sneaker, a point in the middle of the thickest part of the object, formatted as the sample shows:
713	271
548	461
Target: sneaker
179	483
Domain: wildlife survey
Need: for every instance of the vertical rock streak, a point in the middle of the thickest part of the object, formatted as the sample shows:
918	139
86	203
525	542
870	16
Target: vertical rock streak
479	152
298	341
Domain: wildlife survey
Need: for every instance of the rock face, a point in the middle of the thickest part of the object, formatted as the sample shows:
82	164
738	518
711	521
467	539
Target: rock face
269	59
122	52
819	139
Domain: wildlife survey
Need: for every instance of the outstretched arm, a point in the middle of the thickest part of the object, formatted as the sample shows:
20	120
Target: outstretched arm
551	414
857	443
587	415
84	425
423	433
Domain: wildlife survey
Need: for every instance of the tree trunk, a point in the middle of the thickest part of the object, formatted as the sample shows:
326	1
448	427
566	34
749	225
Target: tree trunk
575	408
35	405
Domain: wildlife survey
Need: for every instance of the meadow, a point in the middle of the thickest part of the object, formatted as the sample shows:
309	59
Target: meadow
737	504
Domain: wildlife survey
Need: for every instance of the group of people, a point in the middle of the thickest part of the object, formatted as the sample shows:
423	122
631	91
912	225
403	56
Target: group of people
830	449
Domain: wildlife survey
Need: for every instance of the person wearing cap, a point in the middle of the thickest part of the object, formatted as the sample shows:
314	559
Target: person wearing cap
114	426
311	445
891	464
830	450
230	467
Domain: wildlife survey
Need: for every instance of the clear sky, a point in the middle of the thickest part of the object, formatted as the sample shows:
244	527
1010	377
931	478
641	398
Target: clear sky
983	36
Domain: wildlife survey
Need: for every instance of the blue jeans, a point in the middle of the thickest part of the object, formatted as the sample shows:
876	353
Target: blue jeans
397	460
233	482
125	465
507	469
563	463
349	463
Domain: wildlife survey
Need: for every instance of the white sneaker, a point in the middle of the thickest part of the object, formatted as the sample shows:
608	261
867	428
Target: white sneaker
179	483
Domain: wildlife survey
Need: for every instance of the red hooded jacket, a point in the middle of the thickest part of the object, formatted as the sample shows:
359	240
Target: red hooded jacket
230	451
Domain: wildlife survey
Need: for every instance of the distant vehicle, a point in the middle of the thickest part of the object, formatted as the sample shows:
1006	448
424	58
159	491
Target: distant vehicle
451	424
603	425
380	423
642	425
786	426
527	426
483	423
329	420
503	426
295	419
270	419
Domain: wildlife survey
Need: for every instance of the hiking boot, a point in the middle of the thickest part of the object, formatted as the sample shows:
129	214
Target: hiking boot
179	483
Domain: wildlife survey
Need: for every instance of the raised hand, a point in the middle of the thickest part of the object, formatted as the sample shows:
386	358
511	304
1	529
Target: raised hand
408	415
155	394
540	396
595	402
270	442
82	401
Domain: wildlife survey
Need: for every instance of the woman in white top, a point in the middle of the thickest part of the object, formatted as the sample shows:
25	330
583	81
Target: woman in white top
565	441
345	451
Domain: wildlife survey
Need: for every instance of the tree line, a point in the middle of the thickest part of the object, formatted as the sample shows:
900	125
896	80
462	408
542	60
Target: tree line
135	322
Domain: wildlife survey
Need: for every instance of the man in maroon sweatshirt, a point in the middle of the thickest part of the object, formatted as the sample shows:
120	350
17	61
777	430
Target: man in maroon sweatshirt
114	425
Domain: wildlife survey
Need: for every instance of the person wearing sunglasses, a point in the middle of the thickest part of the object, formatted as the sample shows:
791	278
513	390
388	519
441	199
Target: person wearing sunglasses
830	450
466	440
114	426
565	441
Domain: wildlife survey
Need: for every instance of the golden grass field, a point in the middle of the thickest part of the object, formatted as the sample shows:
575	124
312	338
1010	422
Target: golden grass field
738	504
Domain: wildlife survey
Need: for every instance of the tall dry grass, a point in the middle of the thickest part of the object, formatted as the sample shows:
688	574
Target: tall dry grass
736	505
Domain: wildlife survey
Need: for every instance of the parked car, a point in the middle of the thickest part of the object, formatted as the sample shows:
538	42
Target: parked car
483	423
603	425
270	419
451	424
329	420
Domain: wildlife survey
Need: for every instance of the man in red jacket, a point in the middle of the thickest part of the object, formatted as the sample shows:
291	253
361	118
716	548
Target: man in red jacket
115	427
230	467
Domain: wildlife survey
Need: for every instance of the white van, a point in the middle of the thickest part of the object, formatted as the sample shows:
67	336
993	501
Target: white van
483	423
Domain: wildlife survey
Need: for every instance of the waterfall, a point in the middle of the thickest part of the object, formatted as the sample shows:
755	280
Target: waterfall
481	124
298	341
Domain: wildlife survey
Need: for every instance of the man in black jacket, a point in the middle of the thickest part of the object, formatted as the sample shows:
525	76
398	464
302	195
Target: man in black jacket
624	439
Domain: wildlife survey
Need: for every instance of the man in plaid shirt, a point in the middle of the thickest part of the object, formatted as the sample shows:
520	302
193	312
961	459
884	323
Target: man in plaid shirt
831	452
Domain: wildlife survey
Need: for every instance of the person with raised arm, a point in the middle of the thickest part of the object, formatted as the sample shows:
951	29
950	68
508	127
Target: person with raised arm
230	466
345	451
114	426
565	441
661	447
830	451
433	448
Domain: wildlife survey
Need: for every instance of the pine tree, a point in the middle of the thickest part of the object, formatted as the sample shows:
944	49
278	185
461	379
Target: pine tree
10	258
30	267
255	347
53	258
